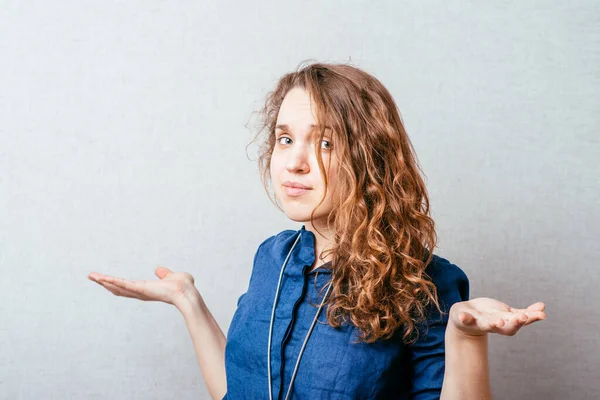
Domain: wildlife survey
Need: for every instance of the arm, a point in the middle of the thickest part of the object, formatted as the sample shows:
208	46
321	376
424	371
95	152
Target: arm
209	342
427	356
466	375
177	288
208	338
449	361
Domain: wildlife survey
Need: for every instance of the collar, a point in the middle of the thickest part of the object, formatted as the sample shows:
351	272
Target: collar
307	242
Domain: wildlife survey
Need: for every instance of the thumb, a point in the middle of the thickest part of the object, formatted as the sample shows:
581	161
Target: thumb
162	272
466	318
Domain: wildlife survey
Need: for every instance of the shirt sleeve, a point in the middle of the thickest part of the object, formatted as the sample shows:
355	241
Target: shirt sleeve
241	297
427	354
256	254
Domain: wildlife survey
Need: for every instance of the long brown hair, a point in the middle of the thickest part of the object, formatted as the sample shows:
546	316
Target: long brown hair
383	234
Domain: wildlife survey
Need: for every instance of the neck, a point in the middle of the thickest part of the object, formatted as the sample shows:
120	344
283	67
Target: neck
323	239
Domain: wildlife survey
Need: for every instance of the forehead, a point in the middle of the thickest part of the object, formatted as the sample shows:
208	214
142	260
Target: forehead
297	111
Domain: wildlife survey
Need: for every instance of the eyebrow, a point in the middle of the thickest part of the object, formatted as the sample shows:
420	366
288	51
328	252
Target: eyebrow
286	127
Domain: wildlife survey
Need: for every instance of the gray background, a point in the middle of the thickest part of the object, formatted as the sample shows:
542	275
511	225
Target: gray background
122	147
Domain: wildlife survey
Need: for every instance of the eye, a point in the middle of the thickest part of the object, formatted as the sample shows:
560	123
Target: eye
328	142
283	137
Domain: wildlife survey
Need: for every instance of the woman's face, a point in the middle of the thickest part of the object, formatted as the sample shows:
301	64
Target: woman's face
294	160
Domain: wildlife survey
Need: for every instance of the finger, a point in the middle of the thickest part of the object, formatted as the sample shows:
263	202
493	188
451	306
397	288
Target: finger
509	327
524	317
466	318
162	272
124	283
138	287
490	325
539	306
126	293
520	318
94	276
487	322
497	324
507	315
535	316
117	291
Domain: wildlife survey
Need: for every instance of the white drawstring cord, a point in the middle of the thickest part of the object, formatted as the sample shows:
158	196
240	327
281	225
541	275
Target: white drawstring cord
273	315
305	341
312	325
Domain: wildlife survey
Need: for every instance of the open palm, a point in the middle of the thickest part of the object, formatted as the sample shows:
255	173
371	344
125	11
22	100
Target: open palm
483	315
171	288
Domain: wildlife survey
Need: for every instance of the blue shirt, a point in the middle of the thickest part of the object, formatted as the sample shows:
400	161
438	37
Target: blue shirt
333	365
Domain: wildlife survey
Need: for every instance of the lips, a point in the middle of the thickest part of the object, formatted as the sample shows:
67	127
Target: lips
293	191
296	185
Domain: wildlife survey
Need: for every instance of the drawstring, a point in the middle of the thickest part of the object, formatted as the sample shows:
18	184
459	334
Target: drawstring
272	321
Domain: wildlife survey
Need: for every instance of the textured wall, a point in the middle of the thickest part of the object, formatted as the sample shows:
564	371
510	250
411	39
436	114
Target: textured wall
122	147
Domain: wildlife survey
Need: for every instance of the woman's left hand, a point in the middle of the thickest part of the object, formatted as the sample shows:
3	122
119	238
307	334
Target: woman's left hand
483	315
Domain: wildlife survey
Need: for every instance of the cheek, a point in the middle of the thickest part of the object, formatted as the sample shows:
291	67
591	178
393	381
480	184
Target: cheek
332	176
275	169
330	187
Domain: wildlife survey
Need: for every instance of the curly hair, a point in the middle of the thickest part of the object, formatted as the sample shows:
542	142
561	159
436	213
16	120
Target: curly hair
383	234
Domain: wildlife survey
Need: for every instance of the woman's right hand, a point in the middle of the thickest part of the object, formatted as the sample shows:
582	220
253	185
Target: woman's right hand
172	287
178	288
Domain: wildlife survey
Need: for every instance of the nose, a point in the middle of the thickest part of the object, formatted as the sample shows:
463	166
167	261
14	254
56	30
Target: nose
298	160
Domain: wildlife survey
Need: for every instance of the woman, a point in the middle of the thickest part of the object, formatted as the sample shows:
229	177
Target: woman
354	304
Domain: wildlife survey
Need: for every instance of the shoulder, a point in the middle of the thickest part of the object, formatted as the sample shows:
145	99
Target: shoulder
274	242
265	255
451	282
273	250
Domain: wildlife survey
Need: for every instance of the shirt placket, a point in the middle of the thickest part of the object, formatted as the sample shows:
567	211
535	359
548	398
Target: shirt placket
293	290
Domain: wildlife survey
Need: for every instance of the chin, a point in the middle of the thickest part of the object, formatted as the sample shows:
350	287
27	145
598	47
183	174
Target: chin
298	216
302	215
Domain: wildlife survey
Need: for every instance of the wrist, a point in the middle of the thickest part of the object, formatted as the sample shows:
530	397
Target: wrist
189	301
455	334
